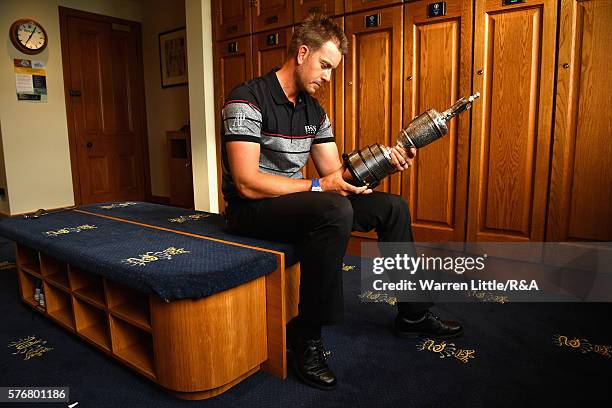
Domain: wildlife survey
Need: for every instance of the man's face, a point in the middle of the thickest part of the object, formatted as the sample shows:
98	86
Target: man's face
315	68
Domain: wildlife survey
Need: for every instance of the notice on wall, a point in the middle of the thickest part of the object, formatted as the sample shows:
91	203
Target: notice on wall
30	80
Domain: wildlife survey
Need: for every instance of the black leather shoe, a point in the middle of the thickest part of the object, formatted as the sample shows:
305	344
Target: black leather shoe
430	326
311	365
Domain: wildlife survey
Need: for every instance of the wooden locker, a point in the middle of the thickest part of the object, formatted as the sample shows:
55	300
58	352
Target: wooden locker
373	82
580	206
270	50
271	14
232	67
514	61
302	8
437	72
331	98
231	18
360	5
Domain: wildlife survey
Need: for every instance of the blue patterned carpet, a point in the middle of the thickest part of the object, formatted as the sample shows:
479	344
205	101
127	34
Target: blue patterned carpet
515	361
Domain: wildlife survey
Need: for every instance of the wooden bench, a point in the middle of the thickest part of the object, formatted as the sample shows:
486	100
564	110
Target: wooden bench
193	348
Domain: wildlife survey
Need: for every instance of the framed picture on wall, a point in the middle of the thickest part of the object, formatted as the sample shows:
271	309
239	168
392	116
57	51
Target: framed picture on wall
173	57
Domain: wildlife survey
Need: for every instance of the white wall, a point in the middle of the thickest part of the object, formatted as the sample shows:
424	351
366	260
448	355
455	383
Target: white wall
34	134
201	104
167	108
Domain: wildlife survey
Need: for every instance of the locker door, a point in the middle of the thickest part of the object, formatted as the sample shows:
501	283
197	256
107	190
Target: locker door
581	180
359	5
514	57
373	82
331	98
328	7
437	72
271	14
231	18
233	66
270	50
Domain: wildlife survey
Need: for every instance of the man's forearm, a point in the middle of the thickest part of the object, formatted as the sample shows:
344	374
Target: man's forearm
263	185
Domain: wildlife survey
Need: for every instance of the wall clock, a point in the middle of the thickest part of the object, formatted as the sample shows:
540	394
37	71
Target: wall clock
28	36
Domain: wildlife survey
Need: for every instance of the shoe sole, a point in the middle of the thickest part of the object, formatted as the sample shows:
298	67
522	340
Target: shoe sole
311	383
419	335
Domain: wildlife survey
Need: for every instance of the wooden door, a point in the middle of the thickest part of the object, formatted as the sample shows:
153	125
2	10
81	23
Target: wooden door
106	110
437	72
331	98
270	50
373	83
232	67
514	57
359	5
179	163
328	7
271	14
581	181
231	18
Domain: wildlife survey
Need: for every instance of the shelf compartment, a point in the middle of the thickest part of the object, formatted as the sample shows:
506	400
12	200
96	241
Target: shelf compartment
59	306
54	271
91	323
129	304
133	345
87	286
28	284
27	259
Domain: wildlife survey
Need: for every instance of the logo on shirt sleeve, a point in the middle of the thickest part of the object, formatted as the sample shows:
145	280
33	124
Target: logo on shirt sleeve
239	120
310	129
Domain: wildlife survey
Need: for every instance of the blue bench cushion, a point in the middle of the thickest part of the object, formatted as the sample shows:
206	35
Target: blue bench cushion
184	220
169	264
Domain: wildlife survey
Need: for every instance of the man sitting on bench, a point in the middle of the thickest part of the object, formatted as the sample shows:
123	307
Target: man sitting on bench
271	125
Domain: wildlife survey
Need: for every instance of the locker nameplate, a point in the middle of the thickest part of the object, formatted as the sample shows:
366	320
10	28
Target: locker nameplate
232	47
271	20
373	20
272	39
511	2
436	9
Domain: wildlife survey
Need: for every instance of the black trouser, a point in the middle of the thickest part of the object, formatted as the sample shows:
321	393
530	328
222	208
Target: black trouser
320	224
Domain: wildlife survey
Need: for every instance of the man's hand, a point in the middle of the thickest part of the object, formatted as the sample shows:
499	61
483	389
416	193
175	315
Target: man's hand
402	159
334	182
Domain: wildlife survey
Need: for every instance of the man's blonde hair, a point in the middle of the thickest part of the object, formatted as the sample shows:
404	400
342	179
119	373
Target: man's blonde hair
316	30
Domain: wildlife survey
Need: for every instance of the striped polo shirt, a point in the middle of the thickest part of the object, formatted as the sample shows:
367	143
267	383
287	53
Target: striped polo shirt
258	111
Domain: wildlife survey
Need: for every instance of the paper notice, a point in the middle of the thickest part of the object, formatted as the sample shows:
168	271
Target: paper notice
24	83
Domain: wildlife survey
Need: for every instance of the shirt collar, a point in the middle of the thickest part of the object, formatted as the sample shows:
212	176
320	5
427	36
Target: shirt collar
277	90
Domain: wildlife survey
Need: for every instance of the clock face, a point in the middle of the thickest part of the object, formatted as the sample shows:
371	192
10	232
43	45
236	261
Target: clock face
31	36
28	36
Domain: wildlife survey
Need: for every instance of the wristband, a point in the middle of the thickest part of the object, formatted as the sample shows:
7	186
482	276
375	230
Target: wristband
315	186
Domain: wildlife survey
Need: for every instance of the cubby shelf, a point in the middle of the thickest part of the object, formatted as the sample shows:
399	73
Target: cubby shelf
133	345
83	302
28	259
59	306
28	283
129	305
118	321
87	286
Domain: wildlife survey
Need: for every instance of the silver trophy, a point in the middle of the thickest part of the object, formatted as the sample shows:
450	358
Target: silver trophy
371	164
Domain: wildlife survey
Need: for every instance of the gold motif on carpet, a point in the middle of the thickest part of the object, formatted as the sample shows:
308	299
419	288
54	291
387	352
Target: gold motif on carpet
444	350
68	230
148	257
372	297
185	218
582	345
487	297
117	205
30	347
